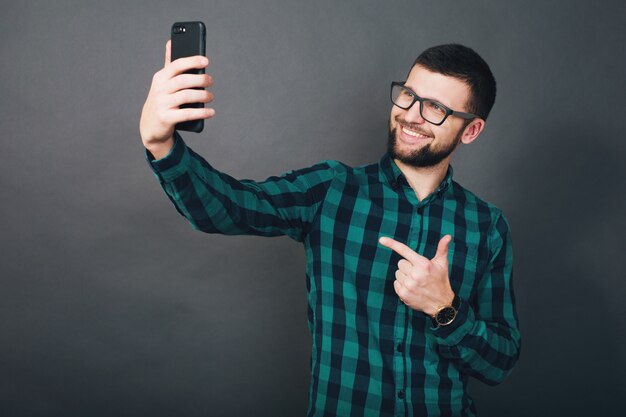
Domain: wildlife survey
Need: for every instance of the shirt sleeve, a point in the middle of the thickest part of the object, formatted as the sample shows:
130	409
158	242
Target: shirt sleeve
484	339
214	202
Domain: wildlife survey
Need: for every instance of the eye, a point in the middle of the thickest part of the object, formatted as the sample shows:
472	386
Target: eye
436	107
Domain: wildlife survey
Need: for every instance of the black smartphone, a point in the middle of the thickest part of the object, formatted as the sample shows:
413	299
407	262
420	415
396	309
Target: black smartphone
189	39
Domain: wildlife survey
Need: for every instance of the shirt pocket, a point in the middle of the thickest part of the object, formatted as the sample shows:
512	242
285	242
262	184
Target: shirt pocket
464	268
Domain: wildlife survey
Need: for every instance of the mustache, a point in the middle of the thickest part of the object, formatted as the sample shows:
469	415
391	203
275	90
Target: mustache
413	126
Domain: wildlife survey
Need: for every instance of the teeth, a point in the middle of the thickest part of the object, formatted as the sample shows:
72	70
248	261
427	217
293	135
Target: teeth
412	133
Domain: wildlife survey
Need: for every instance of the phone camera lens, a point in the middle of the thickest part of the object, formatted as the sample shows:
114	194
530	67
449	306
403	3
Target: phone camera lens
179	29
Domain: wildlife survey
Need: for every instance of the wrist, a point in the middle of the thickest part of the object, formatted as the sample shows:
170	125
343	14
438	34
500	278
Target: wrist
160	150
444	301
446	314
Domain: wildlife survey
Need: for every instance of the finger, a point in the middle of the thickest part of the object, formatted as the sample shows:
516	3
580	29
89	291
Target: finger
191	96
414	274
402	277
185	81
401	291
181	65
405	266
404	251
187	114
168	52
441	257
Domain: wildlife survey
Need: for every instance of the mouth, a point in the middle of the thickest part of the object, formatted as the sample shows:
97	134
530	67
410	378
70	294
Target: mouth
412	136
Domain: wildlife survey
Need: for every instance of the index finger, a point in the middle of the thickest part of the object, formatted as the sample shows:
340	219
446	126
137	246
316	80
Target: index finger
181	65
403	250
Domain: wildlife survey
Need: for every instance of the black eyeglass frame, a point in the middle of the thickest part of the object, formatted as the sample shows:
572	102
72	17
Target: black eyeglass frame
448	110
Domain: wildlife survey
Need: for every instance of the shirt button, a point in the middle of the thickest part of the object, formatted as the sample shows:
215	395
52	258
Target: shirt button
400	348
401	394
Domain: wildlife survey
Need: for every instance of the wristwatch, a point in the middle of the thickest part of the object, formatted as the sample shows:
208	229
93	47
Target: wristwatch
446	314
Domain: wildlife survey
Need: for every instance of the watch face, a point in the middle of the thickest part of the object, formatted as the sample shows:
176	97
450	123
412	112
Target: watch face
445	316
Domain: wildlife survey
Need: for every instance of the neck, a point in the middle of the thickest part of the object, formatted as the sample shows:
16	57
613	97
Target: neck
424	180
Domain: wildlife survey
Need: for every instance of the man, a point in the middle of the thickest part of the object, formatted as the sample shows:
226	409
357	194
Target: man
408	273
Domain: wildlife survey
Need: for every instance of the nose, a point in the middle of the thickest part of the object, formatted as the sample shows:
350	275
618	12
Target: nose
413	115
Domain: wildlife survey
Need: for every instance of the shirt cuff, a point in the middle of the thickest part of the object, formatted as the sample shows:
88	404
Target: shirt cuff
453	333
174	164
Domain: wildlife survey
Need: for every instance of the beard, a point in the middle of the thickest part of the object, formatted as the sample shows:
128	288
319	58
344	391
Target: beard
426	156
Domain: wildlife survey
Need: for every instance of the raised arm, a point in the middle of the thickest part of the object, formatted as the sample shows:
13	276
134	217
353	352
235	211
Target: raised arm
212	201
215	202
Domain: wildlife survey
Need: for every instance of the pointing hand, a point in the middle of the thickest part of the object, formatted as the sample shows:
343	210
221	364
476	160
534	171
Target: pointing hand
421	283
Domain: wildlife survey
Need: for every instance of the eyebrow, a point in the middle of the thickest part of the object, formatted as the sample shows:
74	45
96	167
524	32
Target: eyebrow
428	98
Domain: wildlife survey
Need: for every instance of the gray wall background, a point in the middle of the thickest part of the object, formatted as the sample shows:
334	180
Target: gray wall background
111	305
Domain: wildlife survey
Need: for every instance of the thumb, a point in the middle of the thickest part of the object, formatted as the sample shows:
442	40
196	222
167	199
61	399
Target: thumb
168	52
441	257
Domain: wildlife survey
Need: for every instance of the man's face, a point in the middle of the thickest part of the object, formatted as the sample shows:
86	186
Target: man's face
413	140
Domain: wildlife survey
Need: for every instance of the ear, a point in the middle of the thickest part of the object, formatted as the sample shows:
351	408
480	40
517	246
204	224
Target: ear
472	130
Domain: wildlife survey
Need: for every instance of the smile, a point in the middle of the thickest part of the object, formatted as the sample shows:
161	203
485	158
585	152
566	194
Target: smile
412	137
414	133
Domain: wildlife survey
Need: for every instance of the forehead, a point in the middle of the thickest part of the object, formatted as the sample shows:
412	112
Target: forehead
449	91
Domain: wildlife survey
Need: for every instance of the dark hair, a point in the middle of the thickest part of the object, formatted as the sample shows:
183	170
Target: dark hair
464	63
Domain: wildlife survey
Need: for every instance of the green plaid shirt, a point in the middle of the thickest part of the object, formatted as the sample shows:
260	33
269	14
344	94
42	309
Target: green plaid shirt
372	355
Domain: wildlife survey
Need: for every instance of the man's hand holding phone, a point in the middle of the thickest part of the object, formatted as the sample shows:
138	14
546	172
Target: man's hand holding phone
170	88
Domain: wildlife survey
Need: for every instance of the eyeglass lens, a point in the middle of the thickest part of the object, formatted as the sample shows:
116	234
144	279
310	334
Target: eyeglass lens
430	110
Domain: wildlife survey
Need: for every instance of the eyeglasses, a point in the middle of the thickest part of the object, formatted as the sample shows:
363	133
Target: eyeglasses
432	111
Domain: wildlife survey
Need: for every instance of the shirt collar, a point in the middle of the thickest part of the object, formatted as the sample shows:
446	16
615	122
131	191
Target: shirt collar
395	178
